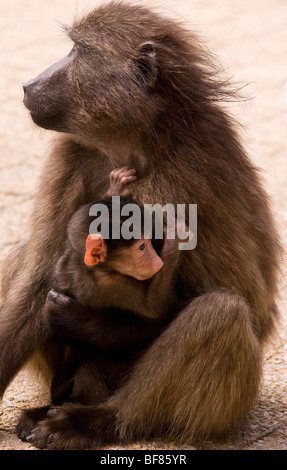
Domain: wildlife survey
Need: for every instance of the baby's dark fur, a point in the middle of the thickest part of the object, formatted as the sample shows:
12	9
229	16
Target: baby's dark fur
97	305
140	90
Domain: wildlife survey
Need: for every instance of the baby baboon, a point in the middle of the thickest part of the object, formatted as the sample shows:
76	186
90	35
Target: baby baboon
100	287
105	272
139	90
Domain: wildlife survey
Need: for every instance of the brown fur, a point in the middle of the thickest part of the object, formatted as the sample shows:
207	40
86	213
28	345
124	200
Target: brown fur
147	97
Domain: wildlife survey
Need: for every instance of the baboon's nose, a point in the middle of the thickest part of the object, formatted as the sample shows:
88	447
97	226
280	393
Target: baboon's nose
28	85
31	87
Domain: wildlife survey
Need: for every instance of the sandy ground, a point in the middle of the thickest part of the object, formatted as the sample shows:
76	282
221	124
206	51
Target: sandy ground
250	39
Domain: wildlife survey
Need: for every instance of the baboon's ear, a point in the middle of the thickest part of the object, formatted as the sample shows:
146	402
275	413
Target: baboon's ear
147	62
96	249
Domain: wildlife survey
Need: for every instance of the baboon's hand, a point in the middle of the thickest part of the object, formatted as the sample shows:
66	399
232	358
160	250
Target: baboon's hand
57	308
119	179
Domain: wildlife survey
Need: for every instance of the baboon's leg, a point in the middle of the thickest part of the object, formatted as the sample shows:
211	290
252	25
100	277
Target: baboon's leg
200	377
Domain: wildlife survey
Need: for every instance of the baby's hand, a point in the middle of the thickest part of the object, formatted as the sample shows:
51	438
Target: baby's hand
119	179
57	309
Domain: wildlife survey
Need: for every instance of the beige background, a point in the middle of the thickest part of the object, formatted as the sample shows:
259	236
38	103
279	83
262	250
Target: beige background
250	39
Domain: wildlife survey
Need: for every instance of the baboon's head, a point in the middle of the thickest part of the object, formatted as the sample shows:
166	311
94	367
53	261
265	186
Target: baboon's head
106	82
130	72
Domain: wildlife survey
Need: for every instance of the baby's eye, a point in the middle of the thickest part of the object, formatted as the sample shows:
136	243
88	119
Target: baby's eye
142	246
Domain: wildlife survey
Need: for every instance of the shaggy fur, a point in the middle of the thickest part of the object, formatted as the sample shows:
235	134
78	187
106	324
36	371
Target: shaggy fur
140	90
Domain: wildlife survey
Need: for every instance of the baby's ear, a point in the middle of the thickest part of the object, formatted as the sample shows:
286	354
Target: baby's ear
96	249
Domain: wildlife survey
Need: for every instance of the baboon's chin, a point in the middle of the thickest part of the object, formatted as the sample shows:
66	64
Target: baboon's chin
52	123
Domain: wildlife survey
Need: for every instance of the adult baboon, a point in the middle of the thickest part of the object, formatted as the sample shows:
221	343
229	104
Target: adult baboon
138	90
